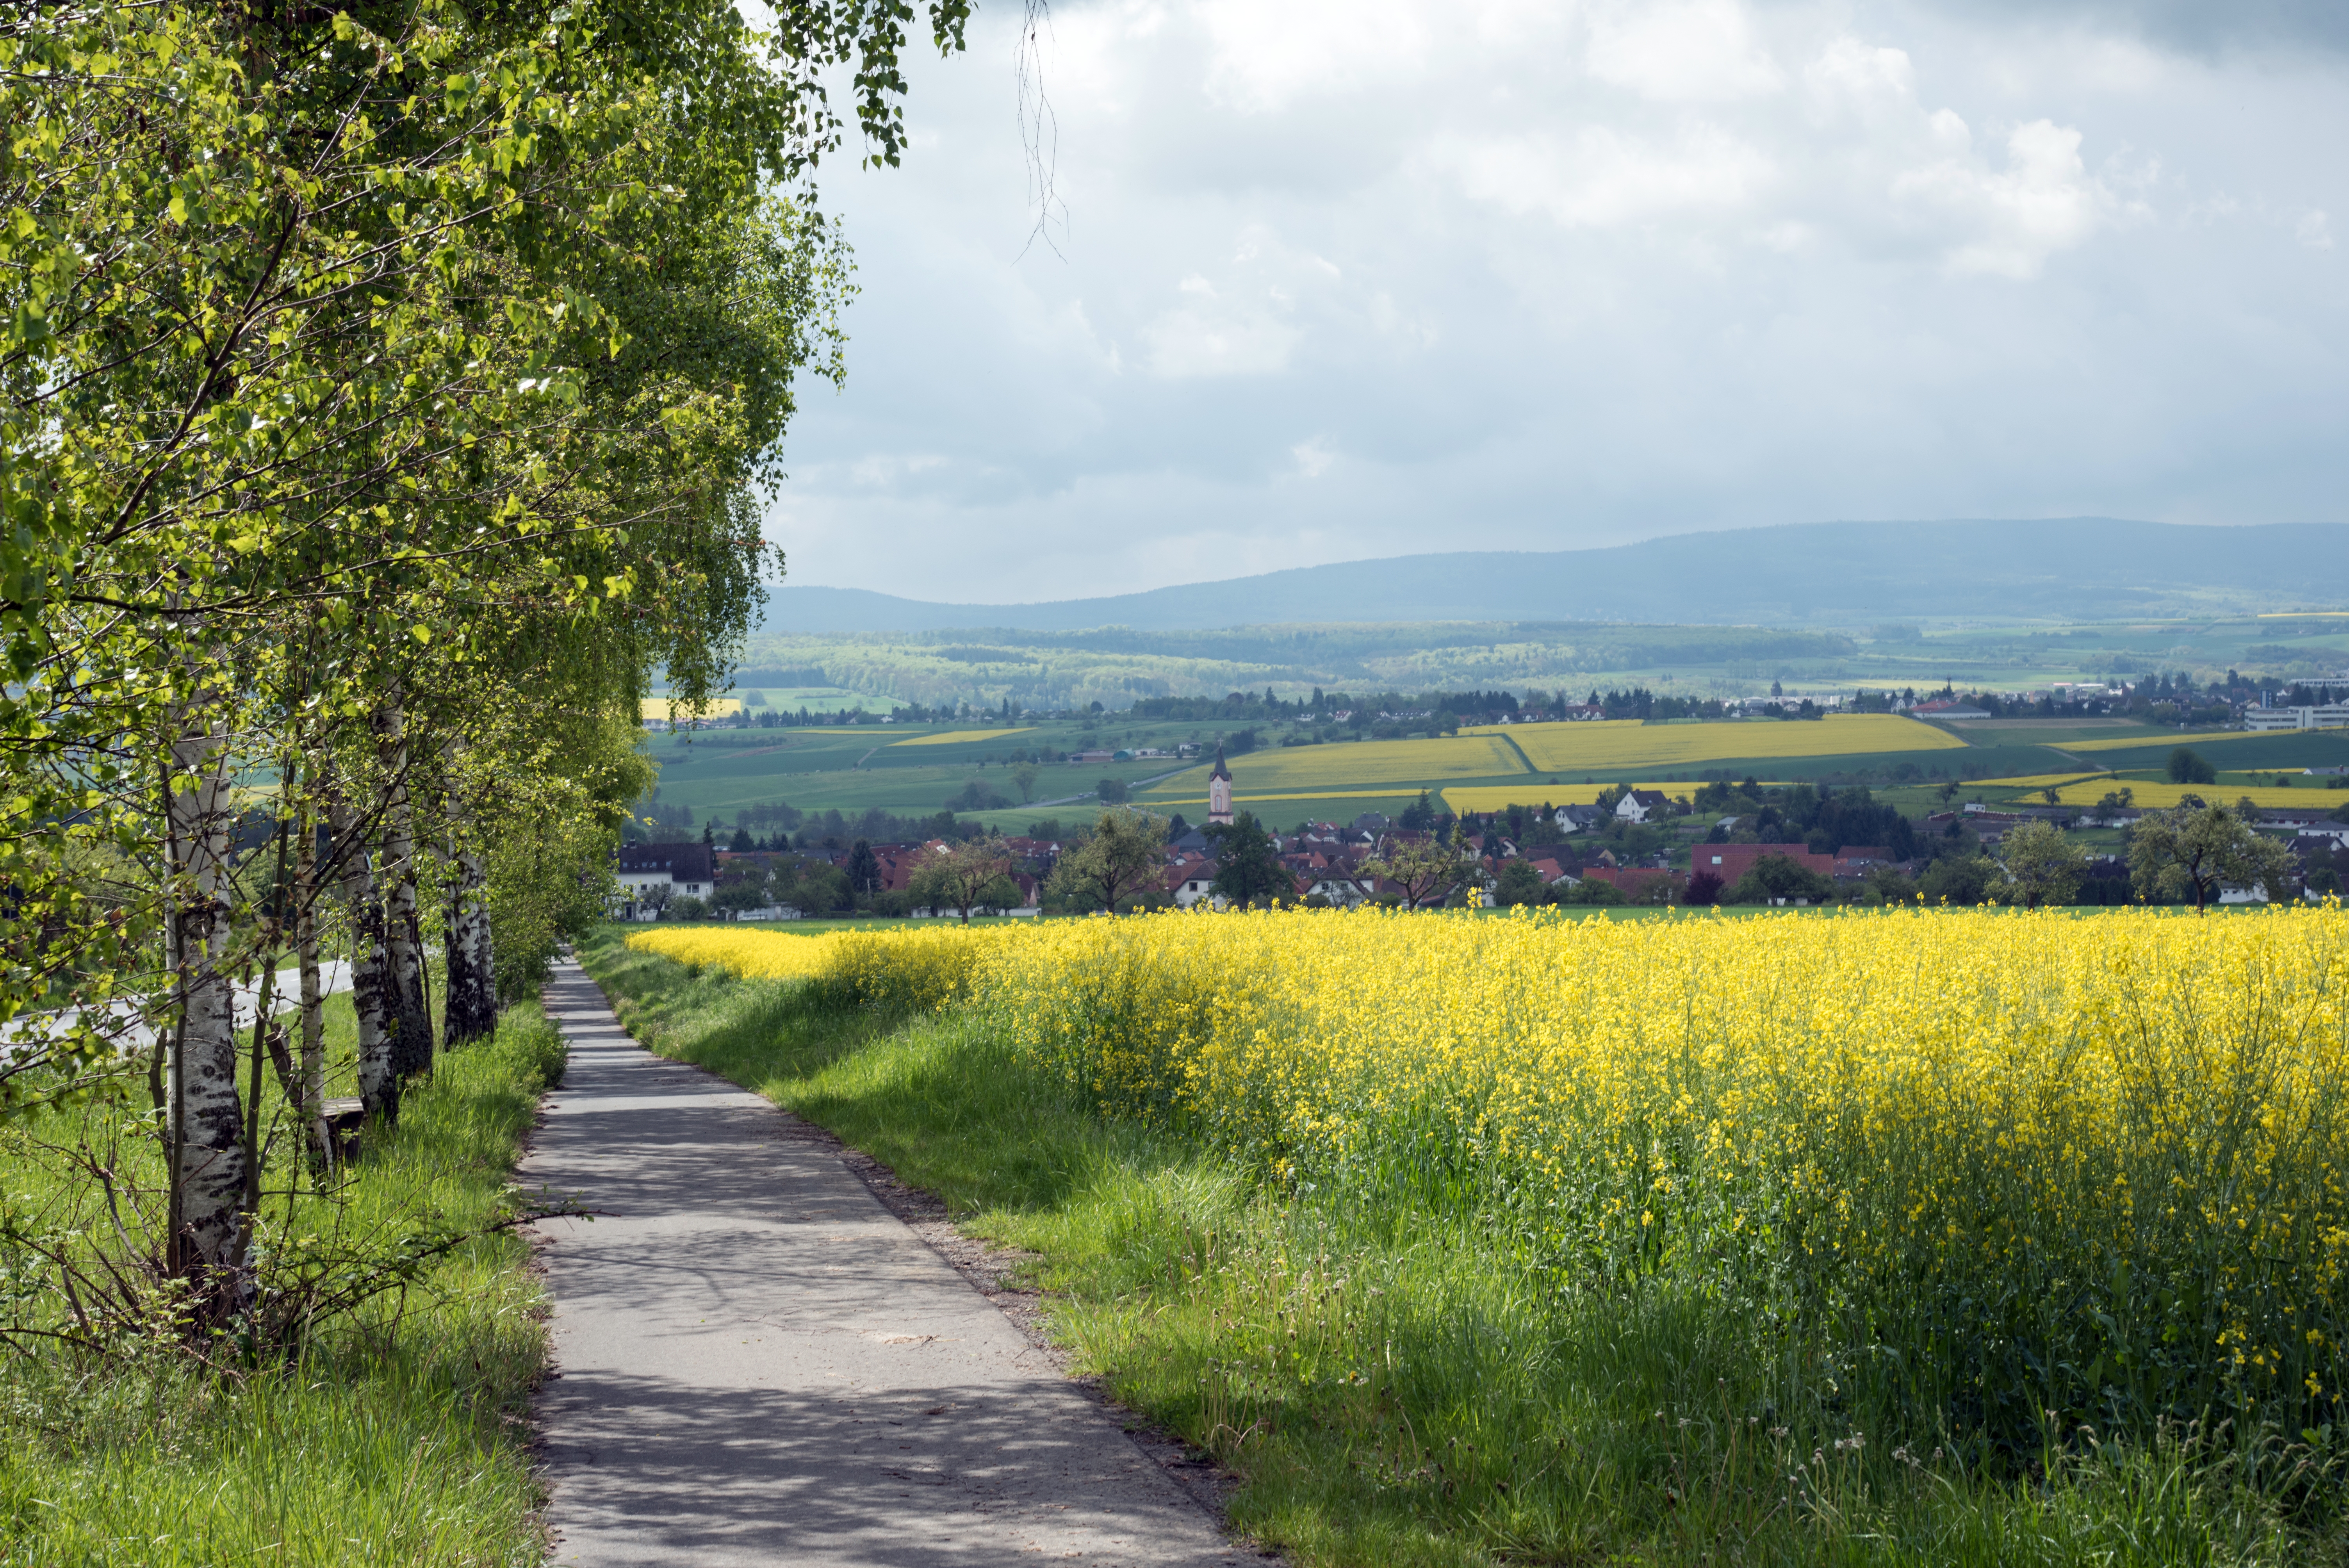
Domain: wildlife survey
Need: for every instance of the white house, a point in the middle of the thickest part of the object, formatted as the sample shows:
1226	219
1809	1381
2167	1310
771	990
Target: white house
649	876
1639	805
1345	891
1196	881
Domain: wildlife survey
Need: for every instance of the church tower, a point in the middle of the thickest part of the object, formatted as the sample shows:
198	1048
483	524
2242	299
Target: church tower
1219	791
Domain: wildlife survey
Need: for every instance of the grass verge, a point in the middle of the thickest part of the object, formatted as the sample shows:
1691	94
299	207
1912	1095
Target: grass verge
1393	1389
396	1436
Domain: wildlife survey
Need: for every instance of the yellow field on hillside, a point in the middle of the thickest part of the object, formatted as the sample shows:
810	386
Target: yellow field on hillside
2086	789
1242	799
2040	780
2154	737
958	736
1283	770
1628	743
1493	796
660	708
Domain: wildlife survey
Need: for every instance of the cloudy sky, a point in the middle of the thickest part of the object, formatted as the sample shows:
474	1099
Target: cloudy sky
1333	278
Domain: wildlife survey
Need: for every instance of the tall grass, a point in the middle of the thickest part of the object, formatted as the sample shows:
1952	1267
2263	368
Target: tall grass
1403	1378
393	1435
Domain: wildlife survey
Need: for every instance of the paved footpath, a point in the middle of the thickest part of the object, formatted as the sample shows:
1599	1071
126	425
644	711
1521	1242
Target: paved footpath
759	1364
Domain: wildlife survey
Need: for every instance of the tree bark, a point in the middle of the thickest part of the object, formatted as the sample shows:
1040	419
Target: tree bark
470	1010
207	1131
311	1082
370	989
409	1020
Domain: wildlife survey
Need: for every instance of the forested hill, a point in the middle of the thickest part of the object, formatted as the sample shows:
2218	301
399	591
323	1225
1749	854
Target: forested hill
1824	573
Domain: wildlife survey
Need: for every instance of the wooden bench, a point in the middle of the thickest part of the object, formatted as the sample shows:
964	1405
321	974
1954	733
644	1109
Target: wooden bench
342	1119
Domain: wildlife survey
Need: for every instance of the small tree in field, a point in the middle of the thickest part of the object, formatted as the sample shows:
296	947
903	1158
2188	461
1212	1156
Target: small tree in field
863	869
960	878
1248	869
2175	854
739	894
1424	870
1121	858
2187	766
1519	883
1778	877
2043	865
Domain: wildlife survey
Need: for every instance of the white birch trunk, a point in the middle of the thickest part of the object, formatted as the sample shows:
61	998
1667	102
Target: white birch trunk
409	1018
470	1011
378	1084
207	1125
313	1079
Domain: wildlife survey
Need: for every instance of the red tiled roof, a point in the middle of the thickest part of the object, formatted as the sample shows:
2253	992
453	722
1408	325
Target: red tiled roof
1631	878
1731	861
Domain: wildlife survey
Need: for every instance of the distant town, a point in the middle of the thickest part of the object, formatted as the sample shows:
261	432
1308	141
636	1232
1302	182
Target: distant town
1883	827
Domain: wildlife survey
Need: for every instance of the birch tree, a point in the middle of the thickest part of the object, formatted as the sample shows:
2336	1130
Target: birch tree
394	336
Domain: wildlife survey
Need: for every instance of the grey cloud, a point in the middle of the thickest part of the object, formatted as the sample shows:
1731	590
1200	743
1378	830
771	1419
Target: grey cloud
2197	27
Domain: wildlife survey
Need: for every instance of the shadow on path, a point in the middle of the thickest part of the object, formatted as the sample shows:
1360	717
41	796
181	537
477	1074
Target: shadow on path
757	1363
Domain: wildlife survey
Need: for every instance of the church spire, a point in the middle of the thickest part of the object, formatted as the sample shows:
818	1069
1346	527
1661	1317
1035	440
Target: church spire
1220	789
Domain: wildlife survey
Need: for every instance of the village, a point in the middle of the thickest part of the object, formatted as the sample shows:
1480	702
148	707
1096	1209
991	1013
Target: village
1633	846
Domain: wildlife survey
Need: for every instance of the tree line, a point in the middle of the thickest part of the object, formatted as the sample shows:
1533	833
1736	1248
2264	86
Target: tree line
384	391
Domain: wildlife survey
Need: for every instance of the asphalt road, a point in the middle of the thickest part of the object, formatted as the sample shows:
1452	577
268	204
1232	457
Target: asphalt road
758	1362
131	1031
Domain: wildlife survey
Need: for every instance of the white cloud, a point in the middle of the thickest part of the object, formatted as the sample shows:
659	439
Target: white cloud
1356	277
1870	79
2009	222
1248	320
1267	57
1213	333
1681	51
1602	177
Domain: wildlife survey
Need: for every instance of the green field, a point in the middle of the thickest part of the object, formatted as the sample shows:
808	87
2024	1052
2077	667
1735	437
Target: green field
720	775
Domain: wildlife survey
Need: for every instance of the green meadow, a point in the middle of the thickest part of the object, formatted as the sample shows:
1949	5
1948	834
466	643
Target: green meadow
720	774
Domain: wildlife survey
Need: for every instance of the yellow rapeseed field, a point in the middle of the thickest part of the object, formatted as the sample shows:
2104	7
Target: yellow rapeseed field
918	965
1493	796
1242	798
667	710
2087	788
2044	1162
1327	769
961	737
2151	737
1628	743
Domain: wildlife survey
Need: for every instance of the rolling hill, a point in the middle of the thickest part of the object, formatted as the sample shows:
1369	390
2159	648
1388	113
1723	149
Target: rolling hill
1825	574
